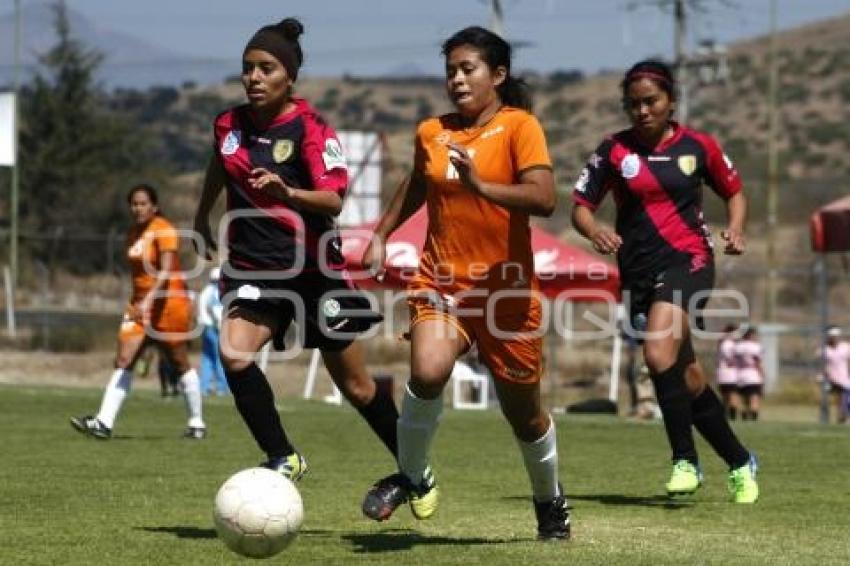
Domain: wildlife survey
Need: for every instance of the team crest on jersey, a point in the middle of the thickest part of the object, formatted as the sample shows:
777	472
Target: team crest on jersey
231	142
687	164
630	166
443	138
282	150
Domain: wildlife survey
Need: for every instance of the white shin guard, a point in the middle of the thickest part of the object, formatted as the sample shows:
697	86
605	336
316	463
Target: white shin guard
416	426
541	463
192	392
114	395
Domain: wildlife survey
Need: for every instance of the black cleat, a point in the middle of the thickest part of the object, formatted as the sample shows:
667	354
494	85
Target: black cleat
553	518
90	426
386	496
195	433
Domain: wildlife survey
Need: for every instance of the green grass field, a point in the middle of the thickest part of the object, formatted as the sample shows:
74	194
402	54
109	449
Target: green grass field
145	497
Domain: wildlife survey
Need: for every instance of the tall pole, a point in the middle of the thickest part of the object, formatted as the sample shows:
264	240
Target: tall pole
13	205
497	19
772	171
681	59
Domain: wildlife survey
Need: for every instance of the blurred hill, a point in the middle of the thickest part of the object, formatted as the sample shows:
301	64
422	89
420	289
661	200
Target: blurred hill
134	60
578	111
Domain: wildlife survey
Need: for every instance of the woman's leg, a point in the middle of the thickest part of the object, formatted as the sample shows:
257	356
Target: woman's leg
121	380
667	328
177	354
243	333
435	345
209	355
348	371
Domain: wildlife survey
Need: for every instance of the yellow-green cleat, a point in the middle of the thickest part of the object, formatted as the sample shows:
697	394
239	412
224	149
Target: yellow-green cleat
425	497
293	466
685	479
742	482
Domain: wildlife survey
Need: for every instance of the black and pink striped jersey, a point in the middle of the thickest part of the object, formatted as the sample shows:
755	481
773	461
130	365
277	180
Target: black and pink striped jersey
658	193
304	150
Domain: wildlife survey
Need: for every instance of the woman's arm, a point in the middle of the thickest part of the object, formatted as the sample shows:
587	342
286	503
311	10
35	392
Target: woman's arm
408	198
214	180
322	202
167	261
604	240
534	194
736	211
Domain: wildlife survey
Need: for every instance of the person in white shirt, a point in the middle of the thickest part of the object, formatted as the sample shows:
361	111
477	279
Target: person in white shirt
836	358
209	316
727	371
748	353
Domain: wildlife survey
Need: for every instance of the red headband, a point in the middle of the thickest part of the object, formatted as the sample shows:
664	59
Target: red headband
648	75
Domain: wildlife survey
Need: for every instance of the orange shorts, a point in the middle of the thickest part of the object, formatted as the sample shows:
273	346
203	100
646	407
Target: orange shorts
170	322
511	347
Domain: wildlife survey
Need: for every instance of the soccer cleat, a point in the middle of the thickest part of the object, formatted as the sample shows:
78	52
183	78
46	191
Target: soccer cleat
386	496
390	492
195	433
425	496
553	518
742	482
685	479
91	426
293	466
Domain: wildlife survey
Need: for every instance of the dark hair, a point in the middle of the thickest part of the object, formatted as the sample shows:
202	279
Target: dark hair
654	70
496	52
281	40
143	188
751	331
729	328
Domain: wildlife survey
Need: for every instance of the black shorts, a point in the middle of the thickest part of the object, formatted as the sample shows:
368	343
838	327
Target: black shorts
330	313
676	285
727	388
749	390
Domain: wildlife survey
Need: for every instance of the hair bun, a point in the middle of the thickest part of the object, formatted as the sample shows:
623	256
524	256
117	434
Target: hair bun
291	28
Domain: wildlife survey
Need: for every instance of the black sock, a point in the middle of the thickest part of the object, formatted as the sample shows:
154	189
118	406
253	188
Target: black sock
733	414
382	415
675	404
711	423
255	402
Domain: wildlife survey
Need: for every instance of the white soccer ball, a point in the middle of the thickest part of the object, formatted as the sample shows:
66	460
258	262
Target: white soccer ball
258	512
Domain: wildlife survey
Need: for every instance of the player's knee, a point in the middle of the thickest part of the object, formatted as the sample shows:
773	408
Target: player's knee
659	356
529	428
234	363
427	385
358	390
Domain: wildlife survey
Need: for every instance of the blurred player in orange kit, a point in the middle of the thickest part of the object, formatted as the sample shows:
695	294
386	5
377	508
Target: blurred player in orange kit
160	311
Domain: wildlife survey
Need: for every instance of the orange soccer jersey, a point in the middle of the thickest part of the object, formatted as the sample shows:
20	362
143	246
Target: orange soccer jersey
172	312
473	243
475	248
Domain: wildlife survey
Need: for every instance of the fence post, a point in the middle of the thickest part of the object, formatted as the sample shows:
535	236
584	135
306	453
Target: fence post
10	300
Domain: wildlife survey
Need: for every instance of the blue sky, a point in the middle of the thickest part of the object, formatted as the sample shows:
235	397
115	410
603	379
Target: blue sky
374	37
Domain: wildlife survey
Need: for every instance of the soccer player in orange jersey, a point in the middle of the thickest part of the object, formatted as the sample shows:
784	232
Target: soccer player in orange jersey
159	311
482	171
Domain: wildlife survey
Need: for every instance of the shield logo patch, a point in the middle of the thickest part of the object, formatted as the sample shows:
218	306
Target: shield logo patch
687	164
282	150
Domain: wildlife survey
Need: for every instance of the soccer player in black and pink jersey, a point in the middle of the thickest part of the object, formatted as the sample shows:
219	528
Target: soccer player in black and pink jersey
285	177
656	170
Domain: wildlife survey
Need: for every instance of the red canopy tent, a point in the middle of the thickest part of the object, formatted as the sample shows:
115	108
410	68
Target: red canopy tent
559	266
830	232
830	227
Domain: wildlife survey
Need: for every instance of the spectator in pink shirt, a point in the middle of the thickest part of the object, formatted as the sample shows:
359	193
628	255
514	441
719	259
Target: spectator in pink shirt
836	358
727	371
748	353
